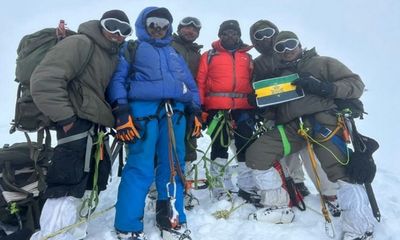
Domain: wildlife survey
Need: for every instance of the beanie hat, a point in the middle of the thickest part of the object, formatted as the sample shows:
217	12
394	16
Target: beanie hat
285	35
229	24
161	13
118	14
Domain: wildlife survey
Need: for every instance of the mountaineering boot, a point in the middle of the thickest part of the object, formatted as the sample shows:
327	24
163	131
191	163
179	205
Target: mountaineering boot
274	197
180	232
352	236
251	197
302	189
333	205
131	235
273	215
170	229
223	178
164	214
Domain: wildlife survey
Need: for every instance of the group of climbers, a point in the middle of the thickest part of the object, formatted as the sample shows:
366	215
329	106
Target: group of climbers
162	92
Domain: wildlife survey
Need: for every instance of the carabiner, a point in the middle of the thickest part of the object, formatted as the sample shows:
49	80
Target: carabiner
174	190
168	109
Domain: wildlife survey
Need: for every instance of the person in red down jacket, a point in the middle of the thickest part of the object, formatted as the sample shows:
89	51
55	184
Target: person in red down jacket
224	81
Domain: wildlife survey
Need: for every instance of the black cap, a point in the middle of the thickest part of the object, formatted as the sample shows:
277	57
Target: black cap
229	24
118	14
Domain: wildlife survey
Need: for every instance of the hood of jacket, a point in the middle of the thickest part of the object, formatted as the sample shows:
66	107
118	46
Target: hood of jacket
260	25
93	30
143	35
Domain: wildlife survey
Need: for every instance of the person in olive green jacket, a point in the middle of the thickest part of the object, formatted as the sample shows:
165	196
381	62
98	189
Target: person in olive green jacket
184	44
262	35
323	79
77	106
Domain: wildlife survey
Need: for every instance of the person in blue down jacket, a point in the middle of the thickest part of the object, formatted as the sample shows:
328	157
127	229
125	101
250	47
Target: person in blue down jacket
142	91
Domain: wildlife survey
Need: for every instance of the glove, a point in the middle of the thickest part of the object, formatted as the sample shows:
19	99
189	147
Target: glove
251	99
361	168
124	125
197	126
312	85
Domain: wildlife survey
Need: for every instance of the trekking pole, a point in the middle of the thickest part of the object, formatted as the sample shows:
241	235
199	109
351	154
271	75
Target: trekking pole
372	201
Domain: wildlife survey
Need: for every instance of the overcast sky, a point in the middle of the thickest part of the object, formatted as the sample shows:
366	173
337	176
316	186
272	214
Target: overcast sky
364	35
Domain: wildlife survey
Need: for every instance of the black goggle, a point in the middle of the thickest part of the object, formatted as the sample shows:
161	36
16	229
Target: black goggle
157	23
264	33
286	45
113	25
190	21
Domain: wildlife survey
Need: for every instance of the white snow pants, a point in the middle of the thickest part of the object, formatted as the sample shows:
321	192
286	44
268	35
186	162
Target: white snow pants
356	216
58	213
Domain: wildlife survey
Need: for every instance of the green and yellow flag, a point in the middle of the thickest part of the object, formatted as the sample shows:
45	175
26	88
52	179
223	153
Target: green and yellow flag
277	90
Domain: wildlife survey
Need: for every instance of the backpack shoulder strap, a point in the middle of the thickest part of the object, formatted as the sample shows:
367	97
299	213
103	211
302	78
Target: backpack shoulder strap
129	50
210	54
87	60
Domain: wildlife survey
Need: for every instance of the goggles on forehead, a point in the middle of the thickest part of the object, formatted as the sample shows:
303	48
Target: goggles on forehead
190	21
113	25
264	33
286	45
157	23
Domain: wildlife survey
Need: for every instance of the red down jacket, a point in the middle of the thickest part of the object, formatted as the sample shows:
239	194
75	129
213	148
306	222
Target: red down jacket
224	80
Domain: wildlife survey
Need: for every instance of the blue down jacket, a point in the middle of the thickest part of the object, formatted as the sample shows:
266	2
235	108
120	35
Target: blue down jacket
158	72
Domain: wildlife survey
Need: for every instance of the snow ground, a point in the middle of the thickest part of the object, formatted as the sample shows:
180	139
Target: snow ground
309	224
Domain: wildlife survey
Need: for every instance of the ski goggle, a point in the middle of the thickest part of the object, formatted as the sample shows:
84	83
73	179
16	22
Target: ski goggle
113	25
286	45
264	33
157	23
190	21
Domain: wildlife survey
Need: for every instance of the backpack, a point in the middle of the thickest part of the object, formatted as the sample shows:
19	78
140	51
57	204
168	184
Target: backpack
22	184
31	51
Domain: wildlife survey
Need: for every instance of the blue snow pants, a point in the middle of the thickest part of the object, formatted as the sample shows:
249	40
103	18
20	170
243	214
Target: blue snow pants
138	173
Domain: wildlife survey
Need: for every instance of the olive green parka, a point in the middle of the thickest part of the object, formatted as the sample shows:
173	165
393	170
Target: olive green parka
63	96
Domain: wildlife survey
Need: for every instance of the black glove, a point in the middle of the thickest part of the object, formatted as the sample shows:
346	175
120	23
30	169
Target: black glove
194	113
251	99
126	129
361	168
312	85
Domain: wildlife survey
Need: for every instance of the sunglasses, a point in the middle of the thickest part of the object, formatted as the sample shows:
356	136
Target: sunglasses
264	33
190	21
113	25
286	45
230	32
157	23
